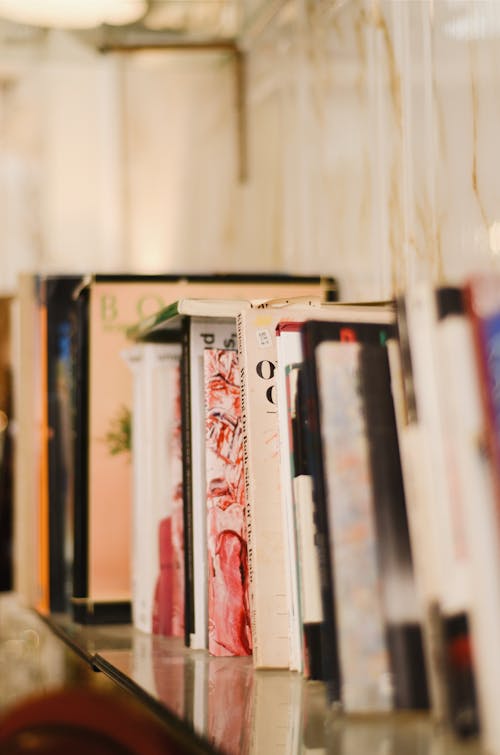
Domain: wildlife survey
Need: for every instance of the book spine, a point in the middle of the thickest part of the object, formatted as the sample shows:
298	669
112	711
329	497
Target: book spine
60	421
444	545
418	491
483	309
330	672
229	631
396	566
80	537
351	502
43	534
287	425
303	501
240	335
187	483
462	401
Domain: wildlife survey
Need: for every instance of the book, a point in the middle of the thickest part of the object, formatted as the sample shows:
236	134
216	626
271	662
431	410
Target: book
107	306
445	516
157	517
462	389
293	481
352	532
481	292
27	403
267	570
399	597
57	292
418	486
200	333
229	628
170	591
6	447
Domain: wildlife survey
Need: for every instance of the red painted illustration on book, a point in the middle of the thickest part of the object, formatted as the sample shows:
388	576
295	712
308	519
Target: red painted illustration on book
229	631
168	618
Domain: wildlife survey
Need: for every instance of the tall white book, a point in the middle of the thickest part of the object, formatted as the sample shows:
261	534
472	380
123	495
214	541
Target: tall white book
155	368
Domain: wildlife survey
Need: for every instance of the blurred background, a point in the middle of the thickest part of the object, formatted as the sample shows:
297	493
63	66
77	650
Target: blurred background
350	137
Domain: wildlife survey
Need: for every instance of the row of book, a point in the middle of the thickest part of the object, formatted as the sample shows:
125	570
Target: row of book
73	395
253	466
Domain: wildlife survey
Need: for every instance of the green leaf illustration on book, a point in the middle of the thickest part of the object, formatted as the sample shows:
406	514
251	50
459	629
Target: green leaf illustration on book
118	437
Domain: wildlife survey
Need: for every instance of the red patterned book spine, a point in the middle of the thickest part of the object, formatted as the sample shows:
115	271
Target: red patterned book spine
229	628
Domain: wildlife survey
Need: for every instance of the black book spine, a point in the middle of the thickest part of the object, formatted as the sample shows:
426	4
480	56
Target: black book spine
330	666
394	551
312	635
59	302
80	564
187	484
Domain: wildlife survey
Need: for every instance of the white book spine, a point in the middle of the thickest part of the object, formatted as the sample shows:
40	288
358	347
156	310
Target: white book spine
152	410
266	558
444	515
460	391
289	352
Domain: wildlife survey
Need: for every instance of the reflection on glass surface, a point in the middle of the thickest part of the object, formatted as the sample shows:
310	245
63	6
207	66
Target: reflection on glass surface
235	710
238	711
31	657
232	709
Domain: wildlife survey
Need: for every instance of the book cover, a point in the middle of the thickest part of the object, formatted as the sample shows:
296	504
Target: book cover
103	469
229	626
399	597
445	515
269	583
460	394
353	545
203	333
296	493
156	571
168	616
58	292
417	483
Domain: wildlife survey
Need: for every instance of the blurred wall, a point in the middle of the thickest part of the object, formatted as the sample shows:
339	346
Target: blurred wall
371	149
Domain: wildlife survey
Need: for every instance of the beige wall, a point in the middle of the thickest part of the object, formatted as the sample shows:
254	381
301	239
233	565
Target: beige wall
372	150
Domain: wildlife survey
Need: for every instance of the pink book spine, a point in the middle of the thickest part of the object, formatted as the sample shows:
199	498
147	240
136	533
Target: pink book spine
229	629
168	616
